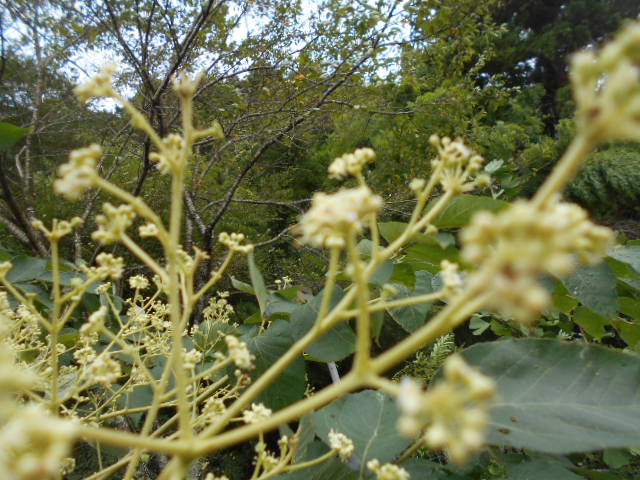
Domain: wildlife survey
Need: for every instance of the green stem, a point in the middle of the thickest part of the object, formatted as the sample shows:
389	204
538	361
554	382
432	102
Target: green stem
363	339
55	327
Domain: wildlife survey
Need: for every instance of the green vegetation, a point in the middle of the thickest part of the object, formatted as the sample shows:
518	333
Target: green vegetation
184	352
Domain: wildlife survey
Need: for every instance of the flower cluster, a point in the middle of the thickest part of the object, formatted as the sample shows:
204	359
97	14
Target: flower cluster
79	173
59	229
138	282
454	410
213	407
334	216
257	413
104	369
168	158
388	471
455	165
94	322
192	358
239	352
98	86
607	88
233	242
108	266
351	163
113	223
148	230
451	279
525	241
219	309
341	444
34	445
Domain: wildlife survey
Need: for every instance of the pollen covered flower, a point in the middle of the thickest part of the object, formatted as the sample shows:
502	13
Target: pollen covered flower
34	445
257	413
452	414
239	352
113	223
192	358
333	216
526	241
168	159
98	86
94	322
351	163
456	165
341	444
109	266
233	241
388	471
139	282
450	278
104	369
606	87
148	230
78	174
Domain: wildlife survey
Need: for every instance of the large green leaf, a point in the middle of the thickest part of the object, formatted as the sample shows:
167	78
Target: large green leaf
595	287
391	230
628	254
560	397
459	211
413	317
591	322
290	386
26	269
428	256
369	419
10	135
258	284
420	468
337	343
540	469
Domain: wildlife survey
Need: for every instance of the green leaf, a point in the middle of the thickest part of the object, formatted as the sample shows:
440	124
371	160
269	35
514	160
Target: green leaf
258	283
279	306
290	386
41	295
243	287
391	230
369	419
630	307
617	458
591	322
413	317
429	256
333	346
478	325
139	396
629	255
630	332
383	274
420	468
26	269
403	273
332	469
562	300
10	135
459	211
559	397
540	469
595	287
